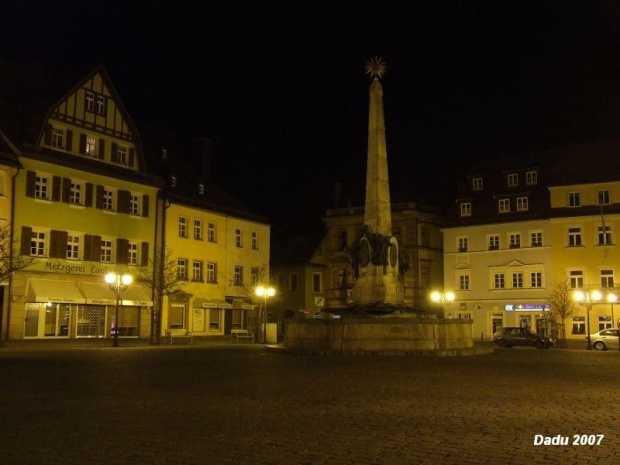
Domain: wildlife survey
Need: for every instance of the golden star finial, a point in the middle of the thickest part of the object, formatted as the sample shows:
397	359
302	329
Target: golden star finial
376	67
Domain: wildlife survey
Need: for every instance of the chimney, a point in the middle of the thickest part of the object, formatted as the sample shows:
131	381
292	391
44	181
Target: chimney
202	150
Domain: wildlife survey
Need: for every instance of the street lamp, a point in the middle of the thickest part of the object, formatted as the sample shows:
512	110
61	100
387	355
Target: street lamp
118	284
443	298
587	298
265	293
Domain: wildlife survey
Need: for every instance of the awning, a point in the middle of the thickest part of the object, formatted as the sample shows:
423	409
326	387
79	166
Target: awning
136	295
243	304
97	293
50	290
210	303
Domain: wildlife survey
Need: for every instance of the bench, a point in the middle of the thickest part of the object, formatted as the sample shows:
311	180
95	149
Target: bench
170	336
241	334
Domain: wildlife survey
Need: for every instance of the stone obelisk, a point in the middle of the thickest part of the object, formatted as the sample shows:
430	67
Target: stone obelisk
378	282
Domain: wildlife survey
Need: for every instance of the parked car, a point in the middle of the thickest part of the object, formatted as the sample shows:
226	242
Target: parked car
605	339
516	336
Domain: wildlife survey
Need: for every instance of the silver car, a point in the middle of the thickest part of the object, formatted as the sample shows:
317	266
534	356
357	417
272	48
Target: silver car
605	339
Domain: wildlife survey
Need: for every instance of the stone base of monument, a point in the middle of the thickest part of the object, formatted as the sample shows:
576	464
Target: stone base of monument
386	335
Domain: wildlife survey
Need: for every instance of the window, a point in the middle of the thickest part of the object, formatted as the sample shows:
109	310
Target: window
517	280
37	244
91	147
604	322
576	279
515	240
173	181
604	235
464	282
579	325
121	155
462	244
176	317
197	270
108	199
214	319
525	321
294	282
134	204
58	138
477	184
574	237
494	242
211	237
465	209
75	196
181	269
536	239
90	101
536	279
425	237
211	272
73	247
317	282
41	187
513	180
100	105
132	253
504	205
198	229
238	276
182	226
574	199
238	238
498	281
603	197
531	178
106	251
425	275
254	273
201	189
522	204
254	240
607	279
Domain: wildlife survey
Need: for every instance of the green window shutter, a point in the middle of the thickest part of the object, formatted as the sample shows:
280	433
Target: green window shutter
88	247
101	153
122	249
96	249
123	201
82	144
25	240
58	244
145	206
145	254
69	143
56	184
66	189
30	183
99	197
89	195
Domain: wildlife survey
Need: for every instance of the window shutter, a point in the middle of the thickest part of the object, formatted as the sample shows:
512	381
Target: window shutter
69	143
124	198
99	198
66	189
83	144
25	240
56	188
101	153
88	247
114	152
89	195
58	244
30	183
132	156
96	250
145	254
47	136
145	206
122	249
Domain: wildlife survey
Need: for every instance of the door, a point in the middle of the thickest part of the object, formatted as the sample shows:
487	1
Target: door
31	327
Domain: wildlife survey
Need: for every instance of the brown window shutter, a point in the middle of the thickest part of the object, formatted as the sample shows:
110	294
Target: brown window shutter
66	189
56	188
30	182
88	247
82	144
96	250
123	201
101	153
122	249
69	143
25	240
132	156
89	195
58	244
114	157
99	198
145	206
47	136
145	254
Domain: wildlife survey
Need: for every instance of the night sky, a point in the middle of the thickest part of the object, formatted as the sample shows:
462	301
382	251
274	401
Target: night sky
280	87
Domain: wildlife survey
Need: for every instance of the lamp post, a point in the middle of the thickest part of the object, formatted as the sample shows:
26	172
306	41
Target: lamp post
443	298
265	293
118	284
588	298
612	299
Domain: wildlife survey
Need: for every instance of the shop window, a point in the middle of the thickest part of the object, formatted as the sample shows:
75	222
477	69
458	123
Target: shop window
525	321
604	322
176	317
579	325
214	319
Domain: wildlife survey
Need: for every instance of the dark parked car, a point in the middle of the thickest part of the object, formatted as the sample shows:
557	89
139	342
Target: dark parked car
515	336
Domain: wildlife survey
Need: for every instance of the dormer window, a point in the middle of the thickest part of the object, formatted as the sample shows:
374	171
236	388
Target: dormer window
513	180
164	153
466	209
173	181
603	197
201	189
522	204
58	138
574	199
531	178
504	205
477	184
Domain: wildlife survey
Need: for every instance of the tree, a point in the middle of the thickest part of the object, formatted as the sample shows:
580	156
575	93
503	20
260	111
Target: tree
561	307
161	276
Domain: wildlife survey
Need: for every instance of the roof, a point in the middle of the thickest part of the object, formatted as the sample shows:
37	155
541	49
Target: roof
9	154
294	249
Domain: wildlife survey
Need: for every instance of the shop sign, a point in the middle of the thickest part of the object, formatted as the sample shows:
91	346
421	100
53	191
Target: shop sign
527	307
70	268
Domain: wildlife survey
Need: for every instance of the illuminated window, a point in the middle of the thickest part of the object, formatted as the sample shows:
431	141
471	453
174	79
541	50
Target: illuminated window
531	177
574	199
517	280
574	237
465	209
211	272
513	180
58	138
504	205
536	279
91	147
238	276
477	184
522	204
106	251
181	269
73	247
37	244
603	197
211	237
90	101
576	279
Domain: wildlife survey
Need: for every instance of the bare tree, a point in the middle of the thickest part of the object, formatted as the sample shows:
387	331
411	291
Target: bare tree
162	277
561	307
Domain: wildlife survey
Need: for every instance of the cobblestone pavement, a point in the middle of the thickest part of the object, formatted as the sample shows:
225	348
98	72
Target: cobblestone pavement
239	404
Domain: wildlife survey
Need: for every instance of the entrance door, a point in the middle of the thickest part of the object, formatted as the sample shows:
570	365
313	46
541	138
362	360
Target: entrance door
541	326
31	328
496	323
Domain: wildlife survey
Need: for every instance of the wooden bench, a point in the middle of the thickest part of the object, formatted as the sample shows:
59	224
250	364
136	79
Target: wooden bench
241	334
170	336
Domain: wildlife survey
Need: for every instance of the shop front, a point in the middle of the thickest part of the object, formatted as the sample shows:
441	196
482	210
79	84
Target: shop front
208	316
